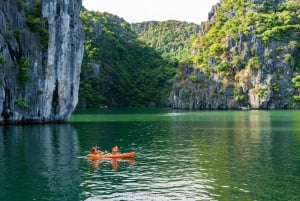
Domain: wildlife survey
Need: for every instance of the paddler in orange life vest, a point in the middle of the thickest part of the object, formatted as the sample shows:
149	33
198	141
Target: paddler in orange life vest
114	150
94	149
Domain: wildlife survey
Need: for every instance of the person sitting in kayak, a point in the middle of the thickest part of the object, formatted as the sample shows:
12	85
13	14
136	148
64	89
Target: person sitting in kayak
94	149
114	150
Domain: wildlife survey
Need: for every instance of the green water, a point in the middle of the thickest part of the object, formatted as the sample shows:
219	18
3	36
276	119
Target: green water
181	155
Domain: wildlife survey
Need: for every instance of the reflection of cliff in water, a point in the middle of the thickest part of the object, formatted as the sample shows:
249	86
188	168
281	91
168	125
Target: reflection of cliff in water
45	155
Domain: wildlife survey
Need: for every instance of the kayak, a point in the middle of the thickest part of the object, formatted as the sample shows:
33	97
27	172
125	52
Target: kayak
109	155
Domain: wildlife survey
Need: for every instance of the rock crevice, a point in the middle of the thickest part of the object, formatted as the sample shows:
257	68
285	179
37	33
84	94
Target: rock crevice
41	49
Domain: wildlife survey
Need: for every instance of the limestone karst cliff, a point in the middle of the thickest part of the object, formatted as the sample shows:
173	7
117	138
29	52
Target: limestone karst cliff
41	49
247	56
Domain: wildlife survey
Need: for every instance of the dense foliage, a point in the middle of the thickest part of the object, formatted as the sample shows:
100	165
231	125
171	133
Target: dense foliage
172	39
118	69
235	19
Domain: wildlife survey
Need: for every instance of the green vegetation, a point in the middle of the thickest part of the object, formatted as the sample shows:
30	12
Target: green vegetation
36	23
253	63
232	22
21	103
22	77
18	33
2	60
296	82
172	39
119	69
3	64
21	4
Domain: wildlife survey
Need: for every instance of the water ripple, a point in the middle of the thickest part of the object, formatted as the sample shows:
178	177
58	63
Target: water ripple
190	160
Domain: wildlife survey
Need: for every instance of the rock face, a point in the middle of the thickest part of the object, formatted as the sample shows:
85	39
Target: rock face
41	49
248	65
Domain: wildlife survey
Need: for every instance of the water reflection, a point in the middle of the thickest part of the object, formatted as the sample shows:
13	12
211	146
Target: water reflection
39	162
251	155
97	163
198	156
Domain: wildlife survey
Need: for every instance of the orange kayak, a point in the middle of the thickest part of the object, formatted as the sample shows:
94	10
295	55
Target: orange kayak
109	155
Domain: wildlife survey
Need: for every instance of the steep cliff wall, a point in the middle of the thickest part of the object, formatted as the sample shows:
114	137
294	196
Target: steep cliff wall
247	57
41	48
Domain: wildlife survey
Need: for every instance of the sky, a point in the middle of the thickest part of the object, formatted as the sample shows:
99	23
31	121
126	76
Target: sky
132	11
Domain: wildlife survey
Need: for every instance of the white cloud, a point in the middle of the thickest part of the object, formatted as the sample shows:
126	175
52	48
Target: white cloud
144	10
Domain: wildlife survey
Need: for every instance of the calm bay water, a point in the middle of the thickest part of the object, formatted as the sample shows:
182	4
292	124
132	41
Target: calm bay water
181	155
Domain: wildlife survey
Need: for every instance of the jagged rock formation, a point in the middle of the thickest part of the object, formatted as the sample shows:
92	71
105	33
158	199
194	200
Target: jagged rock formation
41	48
247	57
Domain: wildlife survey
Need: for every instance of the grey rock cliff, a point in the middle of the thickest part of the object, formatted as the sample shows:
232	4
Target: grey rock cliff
250	73
41	49
267	87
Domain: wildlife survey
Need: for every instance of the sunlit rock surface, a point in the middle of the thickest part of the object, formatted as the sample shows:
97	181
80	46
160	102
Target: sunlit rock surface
41	49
